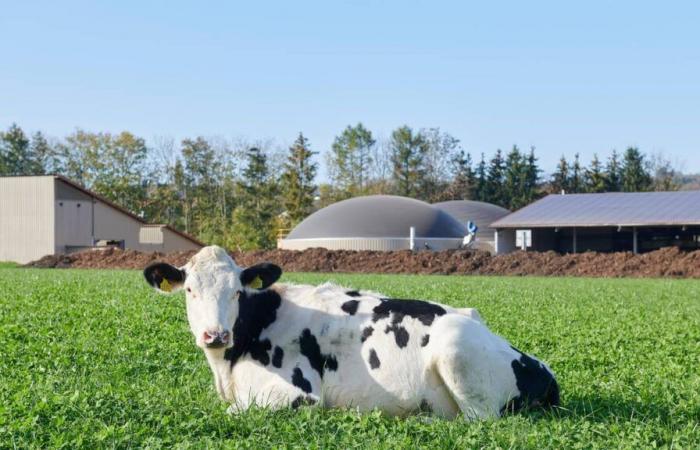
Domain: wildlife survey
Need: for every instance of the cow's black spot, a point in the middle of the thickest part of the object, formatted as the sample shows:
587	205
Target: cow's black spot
374	362
353	294
367	332
302	400
350	307
299	381
277	356
425	407
400	335
256	311
536	384
259	351
418	309
309	347
424	341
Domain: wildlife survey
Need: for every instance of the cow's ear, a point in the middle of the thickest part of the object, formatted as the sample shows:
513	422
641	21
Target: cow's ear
260	276
164	277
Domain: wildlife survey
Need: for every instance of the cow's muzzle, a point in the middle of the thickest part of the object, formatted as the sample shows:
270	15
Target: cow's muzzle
216	339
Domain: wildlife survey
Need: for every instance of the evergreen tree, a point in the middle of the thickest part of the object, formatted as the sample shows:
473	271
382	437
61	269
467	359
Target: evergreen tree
576	182
532	176
463	181
561	178
254	219
634	174
494	189
481	185
595	180
613	176
43	155
514	179
408	150
298	181
350	160
15	153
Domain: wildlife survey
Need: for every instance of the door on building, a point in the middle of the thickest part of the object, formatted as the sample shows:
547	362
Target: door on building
74	223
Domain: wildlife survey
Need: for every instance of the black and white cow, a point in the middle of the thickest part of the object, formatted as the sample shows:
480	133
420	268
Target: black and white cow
279	345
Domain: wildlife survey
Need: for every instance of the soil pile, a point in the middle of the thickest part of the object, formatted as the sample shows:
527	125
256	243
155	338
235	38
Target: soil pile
667	262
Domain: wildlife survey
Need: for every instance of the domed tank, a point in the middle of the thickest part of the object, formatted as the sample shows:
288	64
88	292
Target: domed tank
377	222
481	213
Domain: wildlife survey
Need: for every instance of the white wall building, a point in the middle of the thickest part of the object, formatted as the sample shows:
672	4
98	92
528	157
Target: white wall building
42	215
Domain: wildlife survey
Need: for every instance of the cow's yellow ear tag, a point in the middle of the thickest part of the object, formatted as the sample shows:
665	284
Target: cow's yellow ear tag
165	286
256	283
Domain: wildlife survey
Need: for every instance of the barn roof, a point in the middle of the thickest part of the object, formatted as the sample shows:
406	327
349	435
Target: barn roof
608	209
123	210
378	216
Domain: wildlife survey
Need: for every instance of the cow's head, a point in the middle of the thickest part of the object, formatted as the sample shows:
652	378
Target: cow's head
212	282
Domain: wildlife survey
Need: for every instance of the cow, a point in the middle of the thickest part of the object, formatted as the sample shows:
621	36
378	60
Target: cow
281	345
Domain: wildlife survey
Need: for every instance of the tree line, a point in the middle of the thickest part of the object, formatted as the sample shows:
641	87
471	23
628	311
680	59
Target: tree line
240	194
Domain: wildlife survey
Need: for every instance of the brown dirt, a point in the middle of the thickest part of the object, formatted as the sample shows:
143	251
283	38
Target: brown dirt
667	262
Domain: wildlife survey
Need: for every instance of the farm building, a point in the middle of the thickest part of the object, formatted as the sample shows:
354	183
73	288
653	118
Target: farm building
377	222
42	215
610	222
480	213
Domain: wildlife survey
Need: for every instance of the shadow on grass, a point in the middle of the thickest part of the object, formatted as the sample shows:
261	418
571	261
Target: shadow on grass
603	409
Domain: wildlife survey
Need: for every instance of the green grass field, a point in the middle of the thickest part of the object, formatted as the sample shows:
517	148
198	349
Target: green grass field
96	359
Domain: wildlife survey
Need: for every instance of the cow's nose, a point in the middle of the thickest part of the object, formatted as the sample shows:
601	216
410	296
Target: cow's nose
216	339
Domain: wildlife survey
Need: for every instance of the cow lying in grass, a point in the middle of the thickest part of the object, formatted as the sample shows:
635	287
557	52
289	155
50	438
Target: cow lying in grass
279	345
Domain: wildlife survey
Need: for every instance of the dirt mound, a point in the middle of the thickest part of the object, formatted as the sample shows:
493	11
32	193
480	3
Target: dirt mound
667	262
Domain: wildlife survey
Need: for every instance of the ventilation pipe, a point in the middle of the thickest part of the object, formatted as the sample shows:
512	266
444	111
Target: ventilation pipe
412	238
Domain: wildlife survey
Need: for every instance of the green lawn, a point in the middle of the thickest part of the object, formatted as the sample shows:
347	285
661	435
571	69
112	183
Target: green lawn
96	359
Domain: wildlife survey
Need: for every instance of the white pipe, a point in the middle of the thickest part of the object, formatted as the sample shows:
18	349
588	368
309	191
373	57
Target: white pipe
412	238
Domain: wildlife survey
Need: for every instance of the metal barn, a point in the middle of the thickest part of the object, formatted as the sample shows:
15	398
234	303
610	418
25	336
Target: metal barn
631	221
42	215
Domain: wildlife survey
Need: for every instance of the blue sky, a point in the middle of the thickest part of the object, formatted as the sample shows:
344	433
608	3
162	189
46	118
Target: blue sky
565	78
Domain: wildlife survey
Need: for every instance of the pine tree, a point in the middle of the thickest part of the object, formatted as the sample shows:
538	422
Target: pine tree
15	153
576	183
495	192
254	218
532	177
481	191
298	181
408	151
43	154
463	181
595	180
514	179
634	174
561	177
613	177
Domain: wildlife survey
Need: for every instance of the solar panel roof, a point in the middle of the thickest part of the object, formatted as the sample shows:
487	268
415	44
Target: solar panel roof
609	209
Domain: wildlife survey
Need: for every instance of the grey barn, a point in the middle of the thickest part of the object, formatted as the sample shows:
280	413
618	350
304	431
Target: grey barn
633	221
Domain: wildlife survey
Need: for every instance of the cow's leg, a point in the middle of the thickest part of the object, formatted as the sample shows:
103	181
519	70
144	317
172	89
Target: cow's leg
463	366
280	395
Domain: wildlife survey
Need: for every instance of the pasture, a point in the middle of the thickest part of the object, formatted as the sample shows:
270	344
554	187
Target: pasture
97	359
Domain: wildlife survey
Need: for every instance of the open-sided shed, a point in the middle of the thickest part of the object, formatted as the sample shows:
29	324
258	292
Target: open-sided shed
616	221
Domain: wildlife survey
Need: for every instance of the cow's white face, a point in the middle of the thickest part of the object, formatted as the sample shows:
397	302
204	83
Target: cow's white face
212	282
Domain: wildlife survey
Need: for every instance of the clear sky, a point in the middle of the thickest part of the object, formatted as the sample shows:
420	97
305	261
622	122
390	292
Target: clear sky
565	78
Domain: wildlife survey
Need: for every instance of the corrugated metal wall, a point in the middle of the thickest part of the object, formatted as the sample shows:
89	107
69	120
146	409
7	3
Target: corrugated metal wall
26	218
